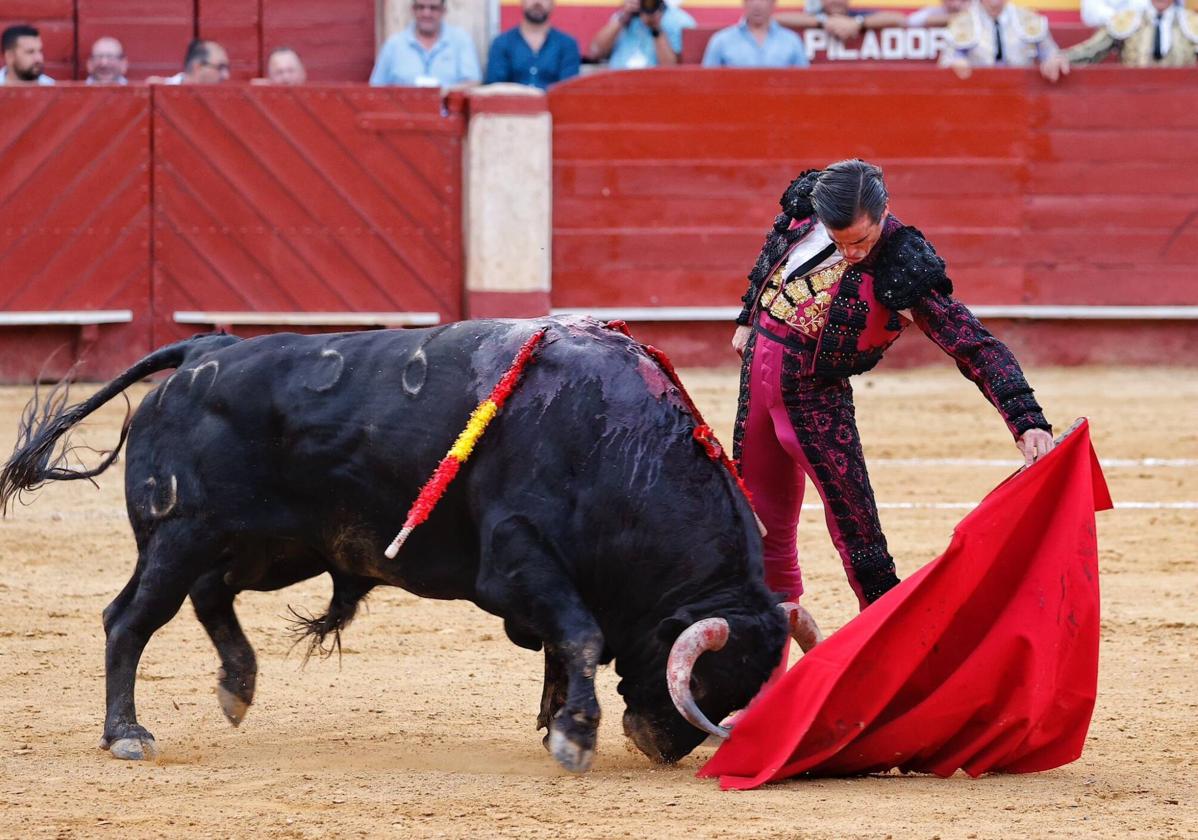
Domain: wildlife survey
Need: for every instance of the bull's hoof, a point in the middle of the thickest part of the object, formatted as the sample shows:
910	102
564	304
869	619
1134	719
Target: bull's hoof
233	706
134	749
571	756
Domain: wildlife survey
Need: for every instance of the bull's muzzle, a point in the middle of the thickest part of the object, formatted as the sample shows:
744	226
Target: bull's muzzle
712	634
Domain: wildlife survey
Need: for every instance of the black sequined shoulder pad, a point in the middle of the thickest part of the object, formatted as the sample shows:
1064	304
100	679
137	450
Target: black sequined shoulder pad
907	268
796	201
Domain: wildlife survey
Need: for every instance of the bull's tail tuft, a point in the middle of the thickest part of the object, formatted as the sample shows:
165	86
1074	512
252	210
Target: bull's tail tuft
43	451
37	456
317	630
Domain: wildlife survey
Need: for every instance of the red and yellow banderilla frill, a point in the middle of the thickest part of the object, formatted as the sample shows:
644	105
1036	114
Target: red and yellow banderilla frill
483	414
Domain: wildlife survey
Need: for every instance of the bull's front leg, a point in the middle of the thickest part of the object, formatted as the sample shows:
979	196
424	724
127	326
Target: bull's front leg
574	727
519	574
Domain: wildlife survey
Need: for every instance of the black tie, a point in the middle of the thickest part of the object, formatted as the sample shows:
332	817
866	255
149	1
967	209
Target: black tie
997	42
1157	55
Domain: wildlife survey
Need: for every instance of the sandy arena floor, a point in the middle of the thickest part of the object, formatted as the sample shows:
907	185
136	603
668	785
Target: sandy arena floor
426	726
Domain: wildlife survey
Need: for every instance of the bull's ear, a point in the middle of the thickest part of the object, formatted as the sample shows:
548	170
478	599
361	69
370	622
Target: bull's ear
669	629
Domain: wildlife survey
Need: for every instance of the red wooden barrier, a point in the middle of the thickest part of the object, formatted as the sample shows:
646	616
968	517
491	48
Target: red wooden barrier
316	199
154	33
343	202
666	180
74	200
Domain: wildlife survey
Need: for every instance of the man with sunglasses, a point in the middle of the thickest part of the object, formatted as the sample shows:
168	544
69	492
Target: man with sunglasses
206	63
428	52
838	280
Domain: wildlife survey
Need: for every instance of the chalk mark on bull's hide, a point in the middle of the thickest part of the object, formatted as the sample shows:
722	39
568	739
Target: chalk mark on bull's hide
334	371
415	372
163	388
211	364
172	498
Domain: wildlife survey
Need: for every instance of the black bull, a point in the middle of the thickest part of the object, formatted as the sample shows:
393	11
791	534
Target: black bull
588	518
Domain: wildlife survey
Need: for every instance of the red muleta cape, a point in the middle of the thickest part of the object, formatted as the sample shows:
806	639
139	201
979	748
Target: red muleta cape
986	659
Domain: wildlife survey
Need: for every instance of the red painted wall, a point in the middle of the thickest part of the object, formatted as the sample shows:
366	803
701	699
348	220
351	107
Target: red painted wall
253	198
665	181
335	40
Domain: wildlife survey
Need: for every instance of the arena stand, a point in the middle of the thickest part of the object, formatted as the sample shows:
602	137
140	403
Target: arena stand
336	40
136	216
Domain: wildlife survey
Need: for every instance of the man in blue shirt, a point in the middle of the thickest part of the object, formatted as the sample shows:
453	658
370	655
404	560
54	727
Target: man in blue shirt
533	53
643	33
428	52
757	41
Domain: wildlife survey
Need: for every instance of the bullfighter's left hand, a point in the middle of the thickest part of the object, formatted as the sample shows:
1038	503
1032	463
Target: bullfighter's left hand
1034	444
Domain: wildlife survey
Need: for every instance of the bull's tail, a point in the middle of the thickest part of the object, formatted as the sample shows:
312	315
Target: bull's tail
348	592
42	451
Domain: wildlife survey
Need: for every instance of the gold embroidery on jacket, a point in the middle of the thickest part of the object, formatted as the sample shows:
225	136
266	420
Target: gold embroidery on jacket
803	303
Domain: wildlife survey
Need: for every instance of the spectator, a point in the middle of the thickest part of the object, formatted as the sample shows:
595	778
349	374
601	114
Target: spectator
643	33
840	20
533	53
206	63
283	67
996	33
107	64
930	16
1161	35
757	41
428	52
23	57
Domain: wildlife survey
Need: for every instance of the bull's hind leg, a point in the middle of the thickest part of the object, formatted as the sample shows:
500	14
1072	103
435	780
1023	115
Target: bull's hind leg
553	696
165	571
213	602
520	573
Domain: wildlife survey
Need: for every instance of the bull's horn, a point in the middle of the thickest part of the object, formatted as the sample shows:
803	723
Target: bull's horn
803	628
700	637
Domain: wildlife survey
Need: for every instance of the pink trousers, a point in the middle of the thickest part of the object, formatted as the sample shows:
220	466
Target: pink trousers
805	431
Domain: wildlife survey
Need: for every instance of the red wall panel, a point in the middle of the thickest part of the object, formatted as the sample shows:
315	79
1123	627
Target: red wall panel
74	194
236	26
1078	193
295	199
335	41
154	33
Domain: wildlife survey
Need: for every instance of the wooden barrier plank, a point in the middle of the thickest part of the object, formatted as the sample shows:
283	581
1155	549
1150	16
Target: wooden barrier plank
236	26
1127	176
1082	283
154	33
1100	212
335	41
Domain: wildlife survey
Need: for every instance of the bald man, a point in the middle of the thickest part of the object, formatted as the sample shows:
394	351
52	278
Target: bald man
107	64
285	68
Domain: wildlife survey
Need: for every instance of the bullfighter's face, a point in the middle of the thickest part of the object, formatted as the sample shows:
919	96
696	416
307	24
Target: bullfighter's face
858	239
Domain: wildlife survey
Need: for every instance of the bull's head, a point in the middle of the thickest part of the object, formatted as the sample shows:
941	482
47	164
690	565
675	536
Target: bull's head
744	651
